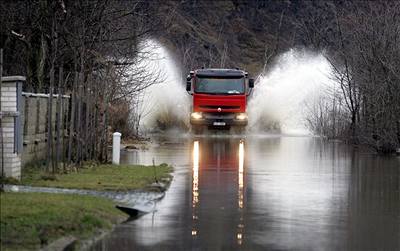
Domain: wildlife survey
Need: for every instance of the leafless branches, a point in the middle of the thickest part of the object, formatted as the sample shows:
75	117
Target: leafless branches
96	42
364	53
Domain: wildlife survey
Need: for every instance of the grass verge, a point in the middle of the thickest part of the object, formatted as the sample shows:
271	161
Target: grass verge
101	177
31	220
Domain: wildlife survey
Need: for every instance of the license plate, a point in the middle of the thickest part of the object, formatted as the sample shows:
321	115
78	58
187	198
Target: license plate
219	123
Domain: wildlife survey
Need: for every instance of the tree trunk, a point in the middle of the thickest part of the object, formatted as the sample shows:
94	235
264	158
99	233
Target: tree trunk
58	118
72	118
49	122
398	132
1	127
94	122
87	106
79	120
353	126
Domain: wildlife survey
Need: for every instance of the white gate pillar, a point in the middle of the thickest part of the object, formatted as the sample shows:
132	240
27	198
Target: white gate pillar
11	133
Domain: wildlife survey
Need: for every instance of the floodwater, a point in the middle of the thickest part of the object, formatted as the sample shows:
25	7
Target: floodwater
266	192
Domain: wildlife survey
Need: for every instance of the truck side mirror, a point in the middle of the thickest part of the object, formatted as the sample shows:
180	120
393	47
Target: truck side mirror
188	86
251	83
188	83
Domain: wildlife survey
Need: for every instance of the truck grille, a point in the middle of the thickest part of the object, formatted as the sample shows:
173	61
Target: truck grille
218	115
216	107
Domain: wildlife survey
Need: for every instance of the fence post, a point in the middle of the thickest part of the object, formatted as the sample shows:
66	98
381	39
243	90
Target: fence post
116	147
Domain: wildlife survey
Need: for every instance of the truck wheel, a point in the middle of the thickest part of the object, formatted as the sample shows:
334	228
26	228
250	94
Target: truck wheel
197	130
238	129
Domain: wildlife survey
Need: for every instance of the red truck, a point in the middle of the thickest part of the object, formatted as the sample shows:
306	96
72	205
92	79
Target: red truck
219	98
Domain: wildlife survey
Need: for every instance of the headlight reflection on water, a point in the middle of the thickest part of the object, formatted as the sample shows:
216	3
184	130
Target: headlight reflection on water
240	227
240	171
195	184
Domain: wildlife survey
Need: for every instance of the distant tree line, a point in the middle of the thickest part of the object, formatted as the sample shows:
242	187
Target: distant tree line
230	34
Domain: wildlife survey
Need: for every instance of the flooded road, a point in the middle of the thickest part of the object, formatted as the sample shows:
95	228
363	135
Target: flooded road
267	193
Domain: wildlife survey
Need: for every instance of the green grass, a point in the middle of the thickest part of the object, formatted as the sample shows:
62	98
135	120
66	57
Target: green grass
29	220
101	177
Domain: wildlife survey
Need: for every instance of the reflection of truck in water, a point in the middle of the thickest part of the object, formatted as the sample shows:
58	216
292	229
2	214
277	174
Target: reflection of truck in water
218	165
219	98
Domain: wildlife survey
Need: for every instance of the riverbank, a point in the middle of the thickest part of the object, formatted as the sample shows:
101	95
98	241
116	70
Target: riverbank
33	220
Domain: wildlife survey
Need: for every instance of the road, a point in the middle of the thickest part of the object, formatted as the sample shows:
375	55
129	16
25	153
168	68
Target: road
267	192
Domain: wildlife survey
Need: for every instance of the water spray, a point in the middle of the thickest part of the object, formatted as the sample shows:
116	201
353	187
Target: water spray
165	104
281	93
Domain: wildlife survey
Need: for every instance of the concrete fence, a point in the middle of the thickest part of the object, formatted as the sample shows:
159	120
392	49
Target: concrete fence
34	116
24	124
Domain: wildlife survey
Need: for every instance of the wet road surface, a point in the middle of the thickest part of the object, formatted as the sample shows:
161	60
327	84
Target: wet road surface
267	193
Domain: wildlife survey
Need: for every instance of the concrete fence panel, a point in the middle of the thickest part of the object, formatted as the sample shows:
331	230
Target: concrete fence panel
35	117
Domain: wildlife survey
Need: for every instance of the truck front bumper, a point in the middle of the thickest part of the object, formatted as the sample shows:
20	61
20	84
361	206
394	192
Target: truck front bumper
219	119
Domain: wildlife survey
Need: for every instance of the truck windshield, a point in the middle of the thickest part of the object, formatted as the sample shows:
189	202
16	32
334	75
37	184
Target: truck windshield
226	86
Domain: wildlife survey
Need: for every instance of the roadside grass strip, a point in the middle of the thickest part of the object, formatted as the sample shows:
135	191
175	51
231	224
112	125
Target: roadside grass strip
101	177
29	221
32	220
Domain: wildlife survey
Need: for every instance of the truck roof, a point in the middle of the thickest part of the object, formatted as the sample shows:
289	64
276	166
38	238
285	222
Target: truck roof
215	72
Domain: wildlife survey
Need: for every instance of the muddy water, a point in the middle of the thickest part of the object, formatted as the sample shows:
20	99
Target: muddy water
267	193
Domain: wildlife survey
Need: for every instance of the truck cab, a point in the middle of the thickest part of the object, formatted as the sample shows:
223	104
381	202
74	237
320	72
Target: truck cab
219	98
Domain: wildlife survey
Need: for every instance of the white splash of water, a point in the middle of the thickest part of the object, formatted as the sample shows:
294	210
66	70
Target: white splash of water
166	103
281	93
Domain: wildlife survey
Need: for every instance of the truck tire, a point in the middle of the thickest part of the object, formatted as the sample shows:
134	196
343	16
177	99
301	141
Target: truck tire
197	130
238	130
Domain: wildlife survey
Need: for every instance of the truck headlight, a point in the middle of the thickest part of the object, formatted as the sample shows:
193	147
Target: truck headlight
196	115
241	116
